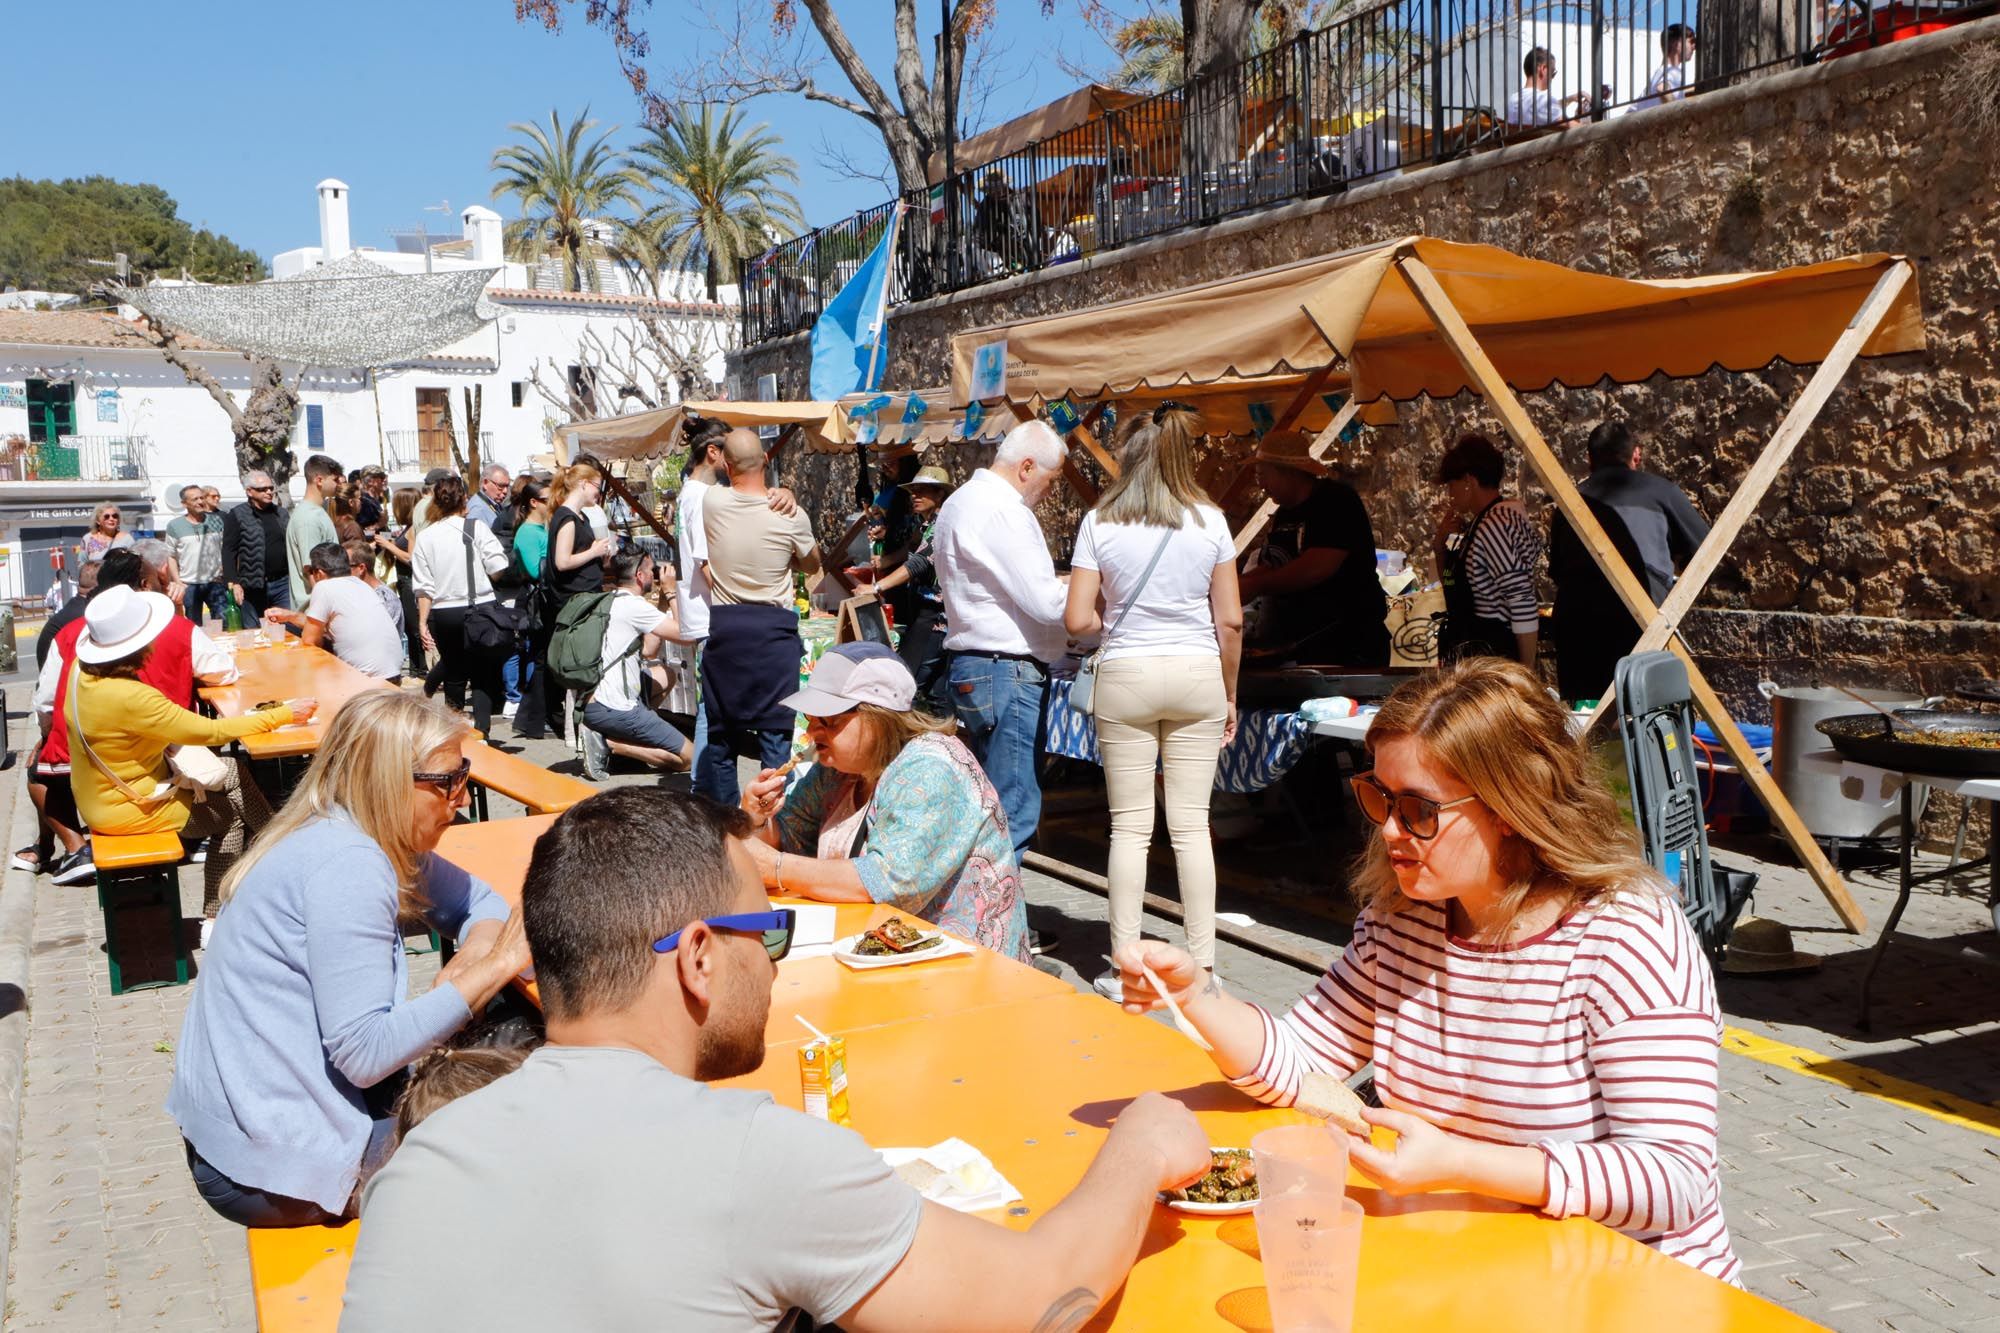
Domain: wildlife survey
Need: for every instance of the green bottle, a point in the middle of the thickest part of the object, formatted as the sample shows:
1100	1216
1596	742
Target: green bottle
232	619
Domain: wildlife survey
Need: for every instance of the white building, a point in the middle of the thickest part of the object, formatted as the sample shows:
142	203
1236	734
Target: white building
99	415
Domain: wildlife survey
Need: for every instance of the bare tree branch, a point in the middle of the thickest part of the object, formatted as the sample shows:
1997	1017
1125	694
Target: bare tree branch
168	341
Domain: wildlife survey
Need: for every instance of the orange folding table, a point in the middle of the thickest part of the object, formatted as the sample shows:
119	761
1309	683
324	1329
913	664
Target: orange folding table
289	670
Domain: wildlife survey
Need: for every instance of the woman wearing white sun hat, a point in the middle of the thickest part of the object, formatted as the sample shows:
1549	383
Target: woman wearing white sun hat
125	727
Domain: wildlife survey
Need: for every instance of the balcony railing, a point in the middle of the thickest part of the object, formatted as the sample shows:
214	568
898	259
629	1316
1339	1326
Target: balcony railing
1389	88
78	458
427	447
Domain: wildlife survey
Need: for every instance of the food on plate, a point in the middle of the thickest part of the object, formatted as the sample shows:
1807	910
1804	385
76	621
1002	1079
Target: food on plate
1231	1178
895	936
1327	1098
1964	739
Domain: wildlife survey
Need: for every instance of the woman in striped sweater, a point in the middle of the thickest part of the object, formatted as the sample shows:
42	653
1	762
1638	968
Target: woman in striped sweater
1543	1024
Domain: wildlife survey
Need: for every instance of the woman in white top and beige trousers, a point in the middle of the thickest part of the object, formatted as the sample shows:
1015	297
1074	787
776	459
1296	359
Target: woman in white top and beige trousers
1166	680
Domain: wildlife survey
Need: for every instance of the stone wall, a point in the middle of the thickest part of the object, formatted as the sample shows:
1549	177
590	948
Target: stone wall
1873	559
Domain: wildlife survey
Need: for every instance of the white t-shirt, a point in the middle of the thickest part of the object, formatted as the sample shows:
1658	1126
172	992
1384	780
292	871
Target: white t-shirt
358	629
1666	79
631	617
1535	106
1172	617
693	603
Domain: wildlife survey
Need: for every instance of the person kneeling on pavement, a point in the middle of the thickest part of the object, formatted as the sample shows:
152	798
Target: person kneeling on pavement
617	718
658	1199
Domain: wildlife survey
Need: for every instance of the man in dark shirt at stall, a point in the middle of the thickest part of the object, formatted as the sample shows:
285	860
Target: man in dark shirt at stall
1654	526
1316	571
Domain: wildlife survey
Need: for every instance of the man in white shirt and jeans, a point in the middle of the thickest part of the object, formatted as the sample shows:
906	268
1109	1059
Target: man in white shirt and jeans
706	470
639	626
1004	605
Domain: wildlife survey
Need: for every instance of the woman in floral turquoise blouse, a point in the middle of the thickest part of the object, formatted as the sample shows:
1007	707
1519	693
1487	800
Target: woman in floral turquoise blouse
895	810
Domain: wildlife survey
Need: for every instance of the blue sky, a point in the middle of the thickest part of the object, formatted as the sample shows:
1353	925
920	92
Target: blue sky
239	109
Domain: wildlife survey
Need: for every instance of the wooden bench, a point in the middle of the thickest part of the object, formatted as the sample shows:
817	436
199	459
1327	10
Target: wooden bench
298	1274
137	871
542	792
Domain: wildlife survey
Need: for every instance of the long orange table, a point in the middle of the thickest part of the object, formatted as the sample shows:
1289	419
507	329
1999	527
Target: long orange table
1034	1084
832	997
289	670
1032	1073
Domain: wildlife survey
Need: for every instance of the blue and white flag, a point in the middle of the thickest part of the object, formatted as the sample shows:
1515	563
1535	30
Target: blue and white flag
847	340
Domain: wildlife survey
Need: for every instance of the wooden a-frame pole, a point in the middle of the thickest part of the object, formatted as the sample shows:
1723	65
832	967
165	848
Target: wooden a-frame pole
1322	445
1486	378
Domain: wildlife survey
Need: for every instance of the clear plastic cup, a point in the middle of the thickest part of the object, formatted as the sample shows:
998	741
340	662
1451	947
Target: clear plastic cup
1307	1228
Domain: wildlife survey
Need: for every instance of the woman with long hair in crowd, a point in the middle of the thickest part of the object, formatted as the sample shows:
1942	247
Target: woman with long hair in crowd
1156	556
1541	1017
394	541
530	549
295	1043
574	564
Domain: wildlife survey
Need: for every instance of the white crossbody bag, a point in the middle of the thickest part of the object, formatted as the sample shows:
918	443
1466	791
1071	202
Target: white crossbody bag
1083	691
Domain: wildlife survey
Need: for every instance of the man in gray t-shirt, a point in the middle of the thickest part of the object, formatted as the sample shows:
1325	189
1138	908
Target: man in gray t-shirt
603	1185
343	615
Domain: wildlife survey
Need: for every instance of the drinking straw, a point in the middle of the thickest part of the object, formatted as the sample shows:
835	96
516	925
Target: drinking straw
810	1028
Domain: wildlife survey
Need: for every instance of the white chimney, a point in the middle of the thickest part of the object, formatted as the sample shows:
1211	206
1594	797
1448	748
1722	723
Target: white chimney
482	228
333	243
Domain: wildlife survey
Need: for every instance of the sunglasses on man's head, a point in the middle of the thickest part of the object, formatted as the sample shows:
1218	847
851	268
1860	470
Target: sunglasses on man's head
453	782
775	926
1417	814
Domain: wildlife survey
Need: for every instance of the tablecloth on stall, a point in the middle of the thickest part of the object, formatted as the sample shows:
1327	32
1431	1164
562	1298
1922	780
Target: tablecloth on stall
1268	742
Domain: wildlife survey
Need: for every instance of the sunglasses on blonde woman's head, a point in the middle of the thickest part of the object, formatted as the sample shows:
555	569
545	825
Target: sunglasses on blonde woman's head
1417	814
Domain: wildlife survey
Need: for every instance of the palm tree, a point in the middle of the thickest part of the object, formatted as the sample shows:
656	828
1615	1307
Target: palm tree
564	185
722	192
1152	53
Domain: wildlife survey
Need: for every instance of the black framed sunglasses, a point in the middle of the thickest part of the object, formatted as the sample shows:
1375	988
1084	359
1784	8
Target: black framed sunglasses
1170	405
451	783
1417	814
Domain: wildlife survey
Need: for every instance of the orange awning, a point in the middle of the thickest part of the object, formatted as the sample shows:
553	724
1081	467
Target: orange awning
1541	323
1066	114
647	434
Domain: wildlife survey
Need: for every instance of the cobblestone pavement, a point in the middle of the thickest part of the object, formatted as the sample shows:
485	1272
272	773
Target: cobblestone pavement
1851	1209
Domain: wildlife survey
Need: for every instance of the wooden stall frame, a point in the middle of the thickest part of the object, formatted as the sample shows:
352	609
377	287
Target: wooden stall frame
1486	378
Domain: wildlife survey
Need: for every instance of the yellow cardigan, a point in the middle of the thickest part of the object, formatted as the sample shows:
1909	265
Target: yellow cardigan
130	725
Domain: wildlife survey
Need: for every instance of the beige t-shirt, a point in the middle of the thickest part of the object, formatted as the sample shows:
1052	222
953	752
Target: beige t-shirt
752	551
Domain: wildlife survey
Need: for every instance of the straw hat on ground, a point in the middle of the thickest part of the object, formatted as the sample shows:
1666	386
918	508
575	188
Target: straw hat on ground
1759	946
119	621
1292	449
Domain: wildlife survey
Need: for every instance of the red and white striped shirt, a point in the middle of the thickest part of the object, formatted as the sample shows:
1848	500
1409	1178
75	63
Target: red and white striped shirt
1595	1041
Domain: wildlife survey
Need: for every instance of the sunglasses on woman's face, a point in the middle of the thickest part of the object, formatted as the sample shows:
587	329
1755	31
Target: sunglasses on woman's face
1417	814
449	784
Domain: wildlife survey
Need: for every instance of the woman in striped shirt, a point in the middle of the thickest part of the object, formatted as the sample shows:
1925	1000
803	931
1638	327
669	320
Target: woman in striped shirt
1487	550
1542	1021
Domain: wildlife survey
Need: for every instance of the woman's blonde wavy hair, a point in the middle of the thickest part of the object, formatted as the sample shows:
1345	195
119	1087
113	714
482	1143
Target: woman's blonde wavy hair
1493	725
377	740
1156	485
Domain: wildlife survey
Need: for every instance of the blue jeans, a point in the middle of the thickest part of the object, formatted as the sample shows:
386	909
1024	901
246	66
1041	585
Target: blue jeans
715	764
248	1207
700	713
510	676
214	596
999	705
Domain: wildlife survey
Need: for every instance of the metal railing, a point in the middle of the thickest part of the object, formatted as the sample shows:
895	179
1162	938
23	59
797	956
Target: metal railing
427	447
78	458
1388	88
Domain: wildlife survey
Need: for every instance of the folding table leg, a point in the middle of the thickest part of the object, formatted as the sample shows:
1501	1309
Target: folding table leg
1905	881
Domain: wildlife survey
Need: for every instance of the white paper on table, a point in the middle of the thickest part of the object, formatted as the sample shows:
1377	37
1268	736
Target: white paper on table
813	931
969	1183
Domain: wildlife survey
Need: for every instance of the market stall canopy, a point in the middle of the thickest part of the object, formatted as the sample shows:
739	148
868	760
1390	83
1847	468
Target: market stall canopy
644	434
350	313
1541	323
1067	113
937	422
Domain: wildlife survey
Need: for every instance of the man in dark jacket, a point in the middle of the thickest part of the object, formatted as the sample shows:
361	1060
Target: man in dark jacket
253	549
1655	528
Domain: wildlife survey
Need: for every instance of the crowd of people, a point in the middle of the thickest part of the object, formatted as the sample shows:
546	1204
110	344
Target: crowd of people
312	1086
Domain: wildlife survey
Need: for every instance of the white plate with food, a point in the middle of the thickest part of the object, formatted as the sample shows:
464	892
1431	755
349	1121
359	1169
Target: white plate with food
896	943
1227	1189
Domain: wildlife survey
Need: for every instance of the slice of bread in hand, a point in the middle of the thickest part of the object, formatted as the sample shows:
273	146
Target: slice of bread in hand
1327	1097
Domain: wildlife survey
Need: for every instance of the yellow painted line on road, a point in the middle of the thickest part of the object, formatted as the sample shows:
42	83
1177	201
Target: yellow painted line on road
1945	1106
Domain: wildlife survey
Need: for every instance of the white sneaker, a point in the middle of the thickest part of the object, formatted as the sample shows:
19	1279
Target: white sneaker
513	707
596	754
1111	986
